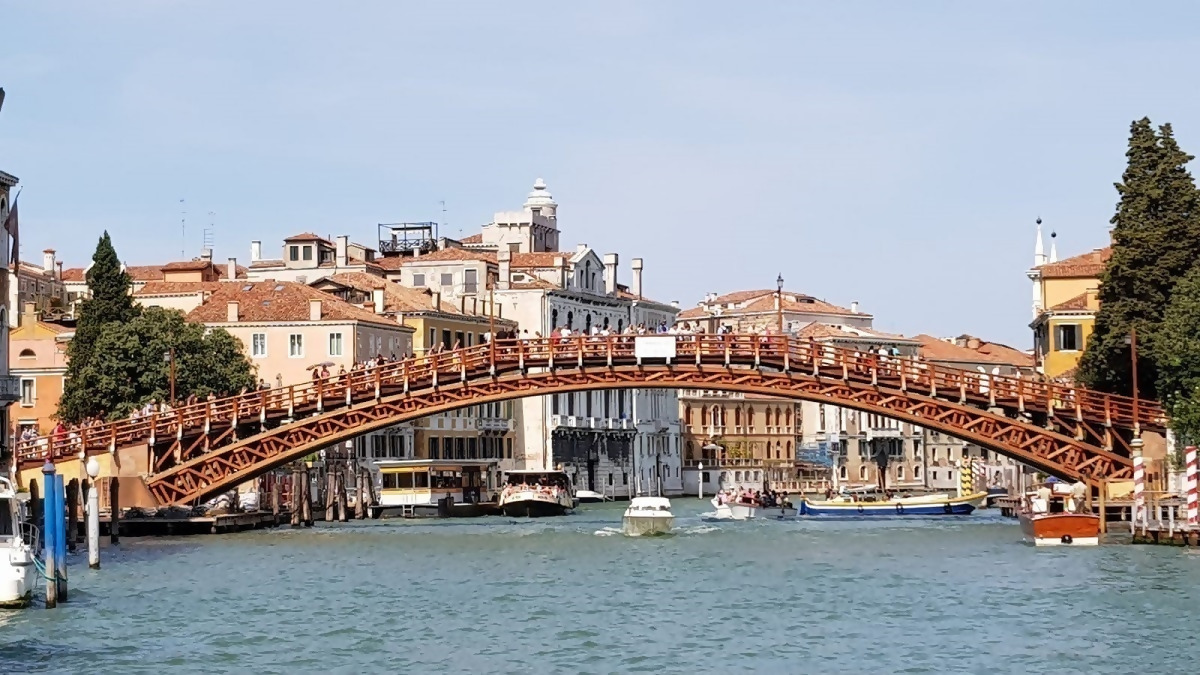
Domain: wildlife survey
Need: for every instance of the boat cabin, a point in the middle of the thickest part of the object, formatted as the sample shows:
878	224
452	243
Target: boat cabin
426	482
558	479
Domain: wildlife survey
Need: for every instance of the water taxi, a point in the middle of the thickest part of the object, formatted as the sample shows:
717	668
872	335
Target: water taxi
747	509
648	515
1052	517
428	488
17	570
921	505
533	494
591	497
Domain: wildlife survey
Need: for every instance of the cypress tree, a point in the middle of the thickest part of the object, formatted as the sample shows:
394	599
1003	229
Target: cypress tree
1156	238
1178	357
109	302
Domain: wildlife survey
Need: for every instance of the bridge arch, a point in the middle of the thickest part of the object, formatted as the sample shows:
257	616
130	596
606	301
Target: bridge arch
208	448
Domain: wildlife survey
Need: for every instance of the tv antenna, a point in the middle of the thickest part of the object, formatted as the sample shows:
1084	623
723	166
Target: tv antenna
207	235
182	229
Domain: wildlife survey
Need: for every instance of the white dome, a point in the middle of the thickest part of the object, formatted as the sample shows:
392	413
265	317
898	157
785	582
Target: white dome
540	196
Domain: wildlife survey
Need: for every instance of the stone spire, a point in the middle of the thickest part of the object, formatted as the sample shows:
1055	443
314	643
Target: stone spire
1039	251
1053	248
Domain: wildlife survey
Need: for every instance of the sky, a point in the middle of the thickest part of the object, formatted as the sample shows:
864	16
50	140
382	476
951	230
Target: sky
893	154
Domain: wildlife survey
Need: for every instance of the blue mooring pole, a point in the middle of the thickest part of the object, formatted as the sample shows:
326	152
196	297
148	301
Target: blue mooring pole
60	548
50	521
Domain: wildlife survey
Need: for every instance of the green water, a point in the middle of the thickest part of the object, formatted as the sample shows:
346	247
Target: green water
571	595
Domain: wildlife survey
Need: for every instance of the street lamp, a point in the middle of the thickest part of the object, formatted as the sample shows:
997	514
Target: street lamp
779	300
1131	340
93	514
700	480
169	357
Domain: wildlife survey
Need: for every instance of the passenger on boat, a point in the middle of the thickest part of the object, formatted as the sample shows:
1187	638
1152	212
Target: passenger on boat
1078	495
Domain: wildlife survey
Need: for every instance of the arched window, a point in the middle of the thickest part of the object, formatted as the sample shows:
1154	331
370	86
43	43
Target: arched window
587	322
718	416
899	472
570	319
737	417
689	450
750	416
687	414
917	472
27	354
842	472
862	472
778	417
587	272
778	450
788	417
789	449
606	322
620	325
703	417
737	476
554	318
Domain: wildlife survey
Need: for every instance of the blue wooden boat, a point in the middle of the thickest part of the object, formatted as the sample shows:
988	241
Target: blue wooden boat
919	506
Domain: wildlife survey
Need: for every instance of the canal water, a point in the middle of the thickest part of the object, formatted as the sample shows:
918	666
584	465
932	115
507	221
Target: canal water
571	595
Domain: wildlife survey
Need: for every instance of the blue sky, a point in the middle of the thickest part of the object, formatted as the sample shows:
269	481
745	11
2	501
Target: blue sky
895	154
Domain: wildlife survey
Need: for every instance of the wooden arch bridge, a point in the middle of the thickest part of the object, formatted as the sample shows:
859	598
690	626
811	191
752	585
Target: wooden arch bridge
195	452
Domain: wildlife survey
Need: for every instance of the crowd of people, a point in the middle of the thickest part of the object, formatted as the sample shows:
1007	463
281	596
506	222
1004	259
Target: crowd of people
765	498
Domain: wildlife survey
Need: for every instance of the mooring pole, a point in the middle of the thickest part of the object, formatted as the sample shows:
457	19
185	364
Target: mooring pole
93	515
50	520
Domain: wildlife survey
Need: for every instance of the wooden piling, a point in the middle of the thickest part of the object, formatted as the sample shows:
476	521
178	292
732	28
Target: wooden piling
35	512
360	497
276	497
72	514
306	512
295	505
330	495
114	507
1103	507
340	488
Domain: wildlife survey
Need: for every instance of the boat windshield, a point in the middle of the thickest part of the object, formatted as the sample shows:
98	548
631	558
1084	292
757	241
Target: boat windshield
651	507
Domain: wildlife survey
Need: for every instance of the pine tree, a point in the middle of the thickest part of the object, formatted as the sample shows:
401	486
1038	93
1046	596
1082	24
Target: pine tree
109	302
1156	237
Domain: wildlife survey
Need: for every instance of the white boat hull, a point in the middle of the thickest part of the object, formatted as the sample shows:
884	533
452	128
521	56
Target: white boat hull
590	497
17	577
750	511
528	504
642	526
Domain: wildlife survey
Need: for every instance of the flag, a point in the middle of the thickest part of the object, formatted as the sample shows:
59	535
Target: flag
10	226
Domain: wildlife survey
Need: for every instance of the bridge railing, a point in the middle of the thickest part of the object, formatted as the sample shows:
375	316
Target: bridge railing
770	352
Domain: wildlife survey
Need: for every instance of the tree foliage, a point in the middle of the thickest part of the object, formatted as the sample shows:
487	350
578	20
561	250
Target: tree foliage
129	365
1156	239
108	302
1178	356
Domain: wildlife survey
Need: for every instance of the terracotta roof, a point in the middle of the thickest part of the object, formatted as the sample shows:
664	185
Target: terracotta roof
144	272
306	236
818	330
1010	355
187	266
278	301
533	283
265	263
1079	302
936	349
396	298
538	259
473	239
393	263
177	287
1090	264
759	301
73	274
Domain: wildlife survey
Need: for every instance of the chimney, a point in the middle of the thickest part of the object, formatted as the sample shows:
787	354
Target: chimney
231	269
972	342
48	261
636	282
560	263
580	248
377	297
436	300
416	251
58	269
854	307
206	254
342	243
314	309
504	258
255	251
610	273
231	312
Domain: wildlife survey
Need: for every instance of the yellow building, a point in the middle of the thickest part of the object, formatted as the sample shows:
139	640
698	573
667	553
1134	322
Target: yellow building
476	432
1065	302
37	355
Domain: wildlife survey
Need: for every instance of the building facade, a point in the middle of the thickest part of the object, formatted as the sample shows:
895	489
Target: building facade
10	390
38	359
1065	302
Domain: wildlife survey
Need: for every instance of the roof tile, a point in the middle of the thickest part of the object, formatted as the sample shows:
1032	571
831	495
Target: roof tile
278	301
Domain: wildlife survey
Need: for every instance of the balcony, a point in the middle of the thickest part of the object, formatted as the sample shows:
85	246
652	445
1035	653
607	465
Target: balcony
10	389
493	424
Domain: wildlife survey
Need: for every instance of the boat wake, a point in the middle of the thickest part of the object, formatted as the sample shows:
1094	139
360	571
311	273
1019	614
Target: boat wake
607	531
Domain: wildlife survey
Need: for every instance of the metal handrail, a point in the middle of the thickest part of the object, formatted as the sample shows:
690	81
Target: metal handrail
768	352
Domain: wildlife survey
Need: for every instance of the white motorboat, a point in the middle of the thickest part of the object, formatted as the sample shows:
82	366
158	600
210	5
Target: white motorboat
748	510
17	570
534	494
648	515
590	497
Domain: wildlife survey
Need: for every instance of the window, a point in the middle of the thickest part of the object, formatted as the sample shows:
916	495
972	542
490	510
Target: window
28	392
470	281
1066	338
917	472
899	472
308	253
933	474
418	280
447	279
293	253
258	345
296	346
862	473
842	472
27	354
335	344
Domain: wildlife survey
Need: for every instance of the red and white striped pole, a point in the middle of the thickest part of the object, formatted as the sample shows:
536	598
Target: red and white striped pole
1193	500
1139	480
